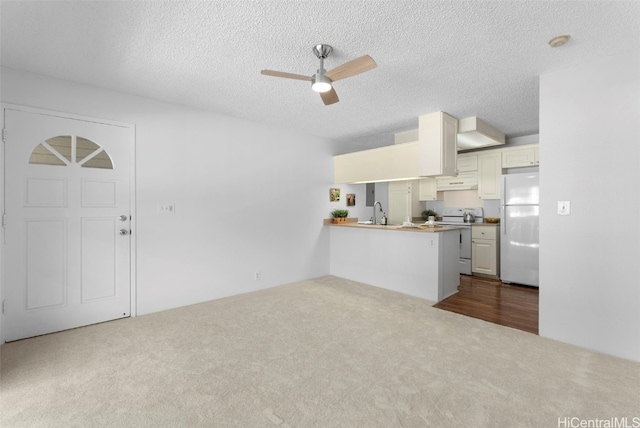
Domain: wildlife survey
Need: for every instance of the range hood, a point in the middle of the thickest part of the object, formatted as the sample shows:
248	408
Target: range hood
474	133
463	181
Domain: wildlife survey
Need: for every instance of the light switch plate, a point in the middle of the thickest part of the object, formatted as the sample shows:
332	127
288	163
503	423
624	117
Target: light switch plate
564	207
167	208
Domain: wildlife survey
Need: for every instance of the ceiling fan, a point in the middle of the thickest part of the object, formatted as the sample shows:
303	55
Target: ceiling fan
322	81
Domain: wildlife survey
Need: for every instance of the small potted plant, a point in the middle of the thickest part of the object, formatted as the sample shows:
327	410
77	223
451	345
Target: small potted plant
339	216
428	213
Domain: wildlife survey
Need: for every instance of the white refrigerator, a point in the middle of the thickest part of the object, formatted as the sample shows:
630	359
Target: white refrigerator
519	214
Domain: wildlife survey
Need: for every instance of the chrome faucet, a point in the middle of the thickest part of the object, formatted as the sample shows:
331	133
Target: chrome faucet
374	212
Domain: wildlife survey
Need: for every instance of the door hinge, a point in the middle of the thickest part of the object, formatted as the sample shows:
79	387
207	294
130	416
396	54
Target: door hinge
4	306
4	135
4	220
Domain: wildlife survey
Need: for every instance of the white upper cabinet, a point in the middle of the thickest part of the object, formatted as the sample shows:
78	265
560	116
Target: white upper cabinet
429	190
380	164
437	138
434	154
516	158
489	172
467	162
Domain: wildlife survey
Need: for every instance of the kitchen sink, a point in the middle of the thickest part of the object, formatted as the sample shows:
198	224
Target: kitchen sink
370	223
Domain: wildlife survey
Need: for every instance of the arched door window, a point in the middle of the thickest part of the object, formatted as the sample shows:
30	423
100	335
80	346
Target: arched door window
65	150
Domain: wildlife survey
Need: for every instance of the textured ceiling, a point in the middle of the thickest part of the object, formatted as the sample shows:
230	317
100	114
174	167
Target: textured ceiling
468	58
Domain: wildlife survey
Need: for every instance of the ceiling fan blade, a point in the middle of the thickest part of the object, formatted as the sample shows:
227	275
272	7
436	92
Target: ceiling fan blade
285	75
329	97
351	68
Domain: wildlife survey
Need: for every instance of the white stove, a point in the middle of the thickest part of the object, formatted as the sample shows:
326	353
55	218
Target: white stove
455	216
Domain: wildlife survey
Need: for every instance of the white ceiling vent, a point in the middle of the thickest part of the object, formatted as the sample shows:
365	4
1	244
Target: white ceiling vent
474	133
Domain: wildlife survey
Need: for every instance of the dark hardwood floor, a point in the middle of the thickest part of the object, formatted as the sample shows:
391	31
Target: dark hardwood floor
513	306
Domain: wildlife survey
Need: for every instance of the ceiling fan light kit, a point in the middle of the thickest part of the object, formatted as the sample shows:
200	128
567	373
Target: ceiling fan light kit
322	81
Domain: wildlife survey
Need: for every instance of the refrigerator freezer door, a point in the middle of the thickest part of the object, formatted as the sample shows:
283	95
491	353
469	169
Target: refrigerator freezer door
520	189
519	244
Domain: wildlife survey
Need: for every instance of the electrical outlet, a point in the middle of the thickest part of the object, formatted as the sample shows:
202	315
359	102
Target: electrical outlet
257	276
564	207
167	208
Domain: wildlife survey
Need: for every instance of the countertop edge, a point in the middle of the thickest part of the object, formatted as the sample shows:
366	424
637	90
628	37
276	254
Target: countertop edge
395	227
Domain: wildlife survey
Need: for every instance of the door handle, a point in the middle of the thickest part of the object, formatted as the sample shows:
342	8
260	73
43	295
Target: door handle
123	232
503	220
124	217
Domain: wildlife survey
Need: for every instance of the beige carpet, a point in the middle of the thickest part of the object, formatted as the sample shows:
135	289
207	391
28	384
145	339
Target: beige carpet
320	353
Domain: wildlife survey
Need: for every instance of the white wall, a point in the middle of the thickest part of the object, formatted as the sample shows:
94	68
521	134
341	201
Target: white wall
248	197
590	155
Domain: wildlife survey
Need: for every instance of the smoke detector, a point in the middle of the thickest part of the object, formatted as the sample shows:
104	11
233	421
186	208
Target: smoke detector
559	41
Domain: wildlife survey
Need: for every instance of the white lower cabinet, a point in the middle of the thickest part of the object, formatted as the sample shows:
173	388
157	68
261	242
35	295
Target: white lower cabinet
485	247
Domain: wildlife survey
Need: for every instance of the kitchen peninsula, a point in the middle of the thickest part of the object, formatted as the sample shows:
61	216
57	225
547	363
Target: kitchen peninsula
421	262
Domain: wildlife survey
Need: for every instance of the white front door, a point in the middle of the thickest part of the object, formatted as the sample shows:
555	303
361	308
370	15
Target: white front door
67	226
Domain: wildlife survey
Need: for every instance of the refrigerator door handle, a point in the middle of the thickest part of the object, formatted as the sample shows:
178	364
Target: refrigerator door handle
503	190
503	220
503	202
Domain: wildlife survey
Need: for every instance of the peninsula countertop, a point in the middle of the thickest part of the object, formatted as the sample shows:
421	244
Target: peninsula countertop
418	228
